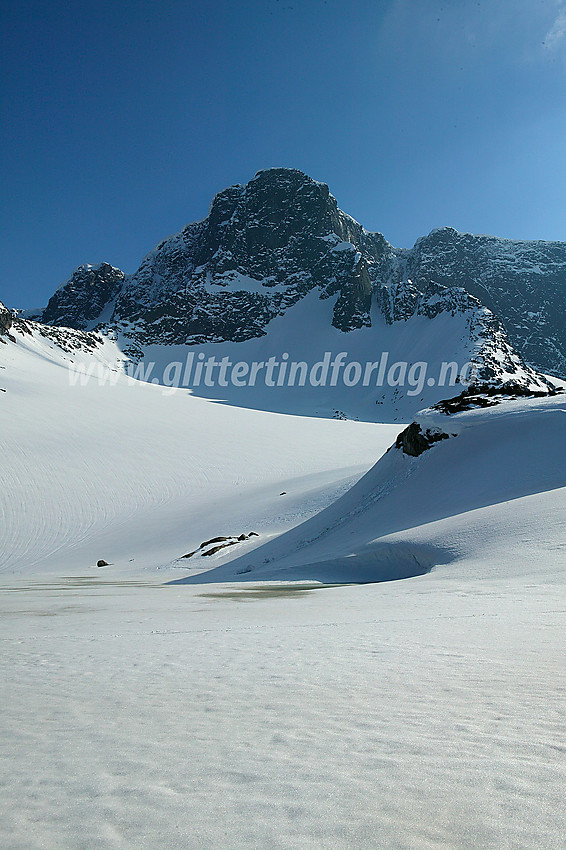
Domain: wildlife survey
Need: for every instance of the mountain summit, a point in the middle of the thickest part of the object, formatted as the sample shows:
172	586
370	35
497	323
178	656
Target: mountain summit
264	246
261	249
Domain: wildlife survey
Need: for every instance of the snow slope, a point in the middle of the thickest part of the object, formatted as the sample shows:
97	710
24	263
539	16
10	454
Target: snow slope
491	498
128	474
305	333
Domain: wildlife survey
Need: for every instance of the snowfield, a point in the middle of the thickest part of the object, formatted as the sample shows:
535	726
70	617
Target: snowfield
125	471
427	713
307	333
251	705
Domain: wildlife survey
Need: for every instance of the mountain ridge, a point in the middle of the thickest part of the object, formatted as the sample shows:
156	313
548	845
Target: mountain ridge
275	272
265	244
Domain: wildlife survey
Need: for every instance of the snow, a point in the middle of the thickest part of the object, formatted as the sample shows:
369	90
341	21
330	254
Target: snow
104	316
236	282
306	330
235	712
411	715
343	246
31	313
128	472
490	497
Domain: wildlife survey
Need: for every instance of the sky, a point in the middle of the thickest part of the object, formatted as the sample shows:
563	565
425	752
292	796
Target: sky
122	118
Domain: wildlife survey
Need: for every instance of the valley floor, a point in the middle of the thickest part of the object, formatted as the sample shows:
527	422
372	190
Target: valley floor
426	713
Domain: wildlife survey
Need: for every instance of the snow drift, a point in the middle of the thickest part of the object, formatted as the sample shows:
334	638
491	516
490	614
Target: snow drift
492	492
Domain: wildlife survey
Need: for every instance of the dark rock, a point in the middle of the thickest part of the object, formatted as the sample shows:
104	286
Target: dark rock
67	339
478	396
213	540
6	319
524	283
102	563
265	246
222	541
216	549
82	298
283	231
414	442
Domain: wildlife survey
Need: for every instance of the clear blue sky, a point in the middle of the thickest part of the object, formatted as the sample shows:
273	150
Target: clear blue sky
122	119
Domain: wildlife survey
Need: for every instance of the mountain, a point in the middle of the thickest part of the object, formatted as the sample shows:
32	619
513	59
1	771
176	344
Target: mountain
84	298
265	245
260	250
419	713
276	270
524	283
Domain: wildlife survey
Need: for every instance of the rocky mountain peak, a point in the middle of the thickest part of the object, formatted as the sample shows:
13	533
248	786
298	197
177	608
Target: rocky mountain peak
80	300
262	248
266	245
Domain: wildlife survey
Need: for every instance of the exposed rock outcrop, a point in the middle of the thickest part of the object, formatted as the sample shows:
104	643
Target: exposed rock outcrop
483	395
6	321
218	543
414	441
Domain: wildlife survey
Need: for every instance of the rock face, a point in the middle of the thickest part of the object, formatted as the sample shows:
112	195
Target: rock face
81	301
6	320
261	249
265	246
495	358
524	283
66	338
